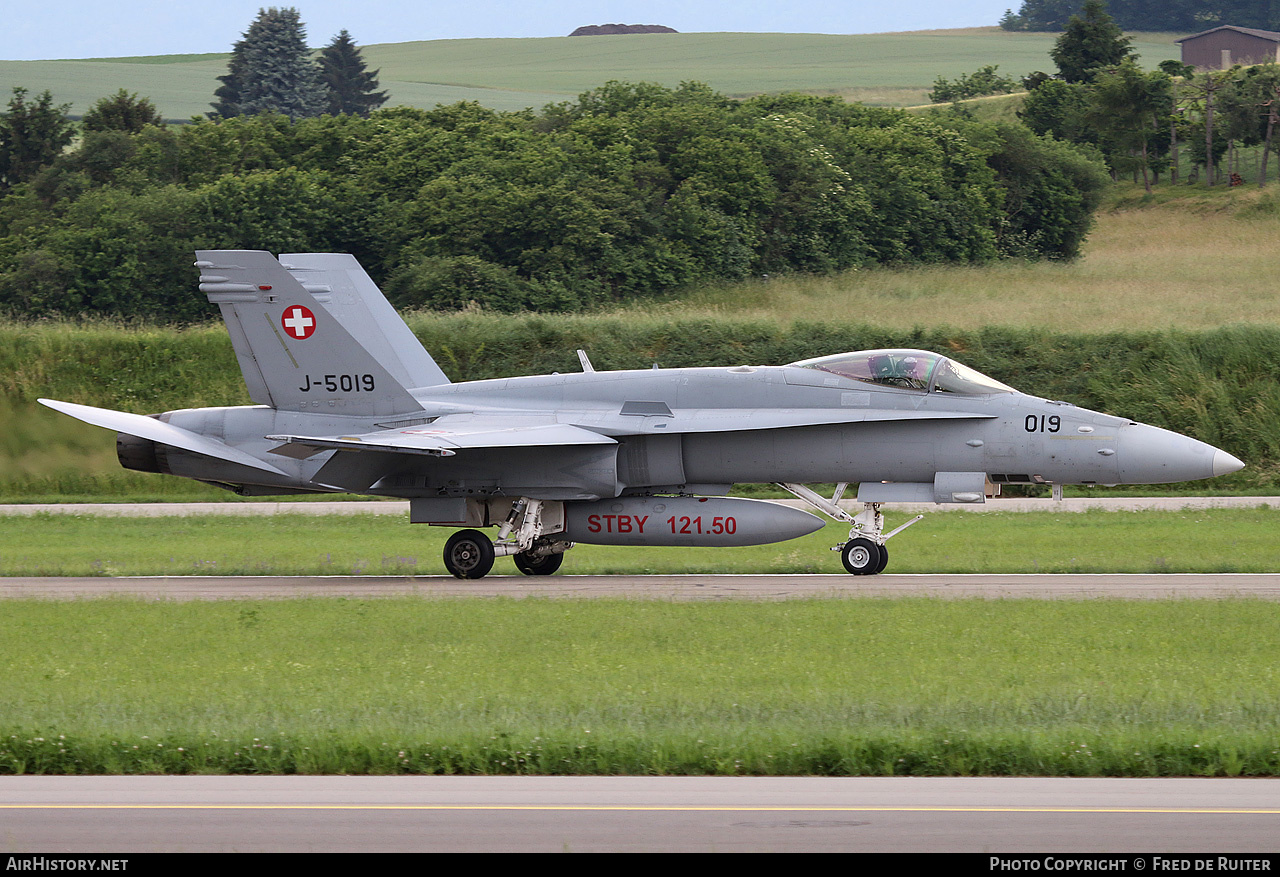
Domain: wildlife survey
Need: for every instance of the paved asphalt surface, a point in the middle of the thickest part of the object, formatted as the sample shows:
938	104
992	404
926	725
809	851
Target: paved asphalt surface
122	815
661	587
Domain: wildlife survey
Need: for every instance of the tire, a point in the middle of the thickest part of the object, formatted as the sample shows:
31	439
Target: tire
884	559
862	557
468	554
538	566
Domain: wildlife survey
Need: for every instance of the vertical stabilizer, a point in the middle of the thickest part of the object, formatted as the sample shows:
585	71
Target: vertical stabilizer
295	354
338	282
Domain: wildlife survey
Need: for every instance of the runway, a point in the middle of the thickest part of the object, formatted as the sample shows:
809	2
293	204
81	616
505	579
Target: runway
121	815
1143	586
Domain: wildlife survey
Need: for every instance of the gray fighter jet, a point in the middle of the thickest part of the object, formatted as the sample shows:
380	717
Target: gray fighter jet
349	401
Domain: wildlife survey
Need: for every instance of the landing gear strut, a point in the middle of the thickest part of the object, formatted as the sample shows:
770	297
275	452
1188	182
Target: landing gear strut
865	553
469	554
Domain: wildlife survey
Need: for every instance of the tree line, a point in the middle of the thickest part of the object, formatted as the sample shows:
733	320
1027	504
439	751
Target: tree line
1145	121
1190	16
631	190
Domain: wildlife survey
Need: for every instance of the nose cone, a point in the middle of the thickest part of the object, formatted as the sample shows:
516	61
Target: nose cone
1224	463
1150	455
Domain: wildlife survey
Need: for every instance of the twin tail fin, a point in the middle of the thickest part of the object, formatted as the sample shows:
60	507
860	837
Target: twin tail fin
319	337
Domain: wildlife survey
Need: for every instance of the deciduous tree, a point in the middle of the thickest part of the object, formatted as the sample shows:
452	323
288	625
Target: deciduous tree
1125	107
1058	109
1205	95
121	111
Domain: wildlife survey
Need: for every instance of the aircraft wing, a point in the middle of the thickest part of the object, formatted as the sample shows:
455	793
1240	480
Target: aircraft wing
442	439
158	431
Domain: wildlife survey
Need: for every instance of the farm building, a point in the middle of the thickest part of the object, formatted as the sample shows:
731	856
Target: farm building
1221	47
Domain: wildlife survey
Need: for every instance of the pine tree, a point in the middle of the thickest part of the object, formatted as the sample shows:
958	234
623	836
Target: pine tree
228	93
271	71
352	89
32	135
1089	44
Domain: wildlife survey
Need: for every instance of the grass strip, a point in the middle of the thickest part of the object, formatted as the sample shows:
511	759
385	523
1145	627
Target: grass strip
1190	540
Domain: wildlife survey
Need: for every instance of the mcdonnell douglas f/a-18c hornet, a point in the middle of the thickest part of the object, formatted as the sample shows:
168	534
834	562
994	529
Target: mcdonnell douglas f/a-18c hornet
348	400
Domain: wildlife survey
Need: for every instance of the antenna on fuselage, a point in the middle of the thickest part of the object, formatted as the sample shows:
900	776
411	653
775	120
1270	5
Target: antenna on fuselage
586	363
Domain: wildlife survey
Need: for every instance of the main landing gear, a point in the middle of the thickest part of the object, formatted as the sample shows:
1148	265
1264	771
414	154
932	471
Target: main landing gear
469	554
865	554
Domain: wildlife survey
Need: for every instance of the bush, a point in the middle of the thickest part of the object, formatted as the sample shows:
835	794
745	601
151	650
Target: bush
982	82
631	191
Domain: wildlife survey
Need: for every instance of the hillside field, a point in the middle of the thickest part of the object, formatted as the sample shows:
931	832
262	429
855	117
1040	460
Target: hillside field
1189	258
510	74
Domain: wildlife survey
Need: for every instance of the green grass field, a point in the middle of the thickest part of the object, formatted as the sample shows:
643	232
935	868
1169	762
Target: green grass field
809	687
1243	540
510	74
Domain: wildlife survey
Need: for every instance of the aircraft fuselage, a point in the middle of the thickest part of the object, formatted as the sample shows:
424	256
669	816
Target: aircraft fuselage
702	430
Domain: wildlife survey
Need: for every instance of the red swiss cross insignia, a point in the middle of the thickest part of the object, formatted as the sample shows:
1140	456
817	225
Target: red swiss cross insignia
298	322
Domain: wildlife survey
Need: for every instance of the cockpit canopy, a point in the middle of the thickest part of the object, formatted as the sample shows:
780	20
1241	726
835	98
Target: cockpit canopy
911	369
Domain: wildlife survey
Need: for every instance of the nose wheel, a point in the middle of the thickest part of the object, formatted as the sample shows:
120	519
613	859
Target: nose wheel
862	557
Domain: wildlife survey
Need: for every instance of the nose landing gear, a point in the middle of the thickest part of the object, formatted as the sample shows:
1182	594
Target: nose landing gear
862	557
865	553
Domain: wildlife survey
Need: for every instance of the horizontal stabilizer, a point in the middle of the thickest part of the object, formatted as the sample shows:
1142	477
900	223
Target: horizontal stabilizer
436	441
157	431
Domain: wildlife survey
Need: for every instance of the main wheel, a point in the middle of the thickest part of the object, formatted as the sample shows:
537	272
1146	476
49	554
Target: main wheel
468	554
538	566
862	557
884	559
